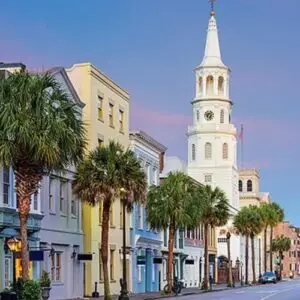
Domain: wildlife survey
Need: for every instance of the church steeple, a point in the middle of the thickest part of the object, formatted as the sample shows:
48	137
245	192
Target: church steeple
212	55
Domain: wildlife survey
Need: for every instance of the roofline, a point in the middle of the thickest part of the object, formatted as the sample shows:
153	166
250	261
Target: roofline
63	72
139	134
106	78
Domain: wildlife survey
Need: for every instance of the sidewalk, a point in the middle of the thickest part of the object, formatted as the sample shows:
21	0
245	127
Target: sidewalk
161	295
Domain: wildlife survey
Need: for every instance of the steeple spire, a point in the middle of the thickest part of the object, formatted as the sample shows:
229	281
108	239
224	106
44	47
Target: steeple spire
212	55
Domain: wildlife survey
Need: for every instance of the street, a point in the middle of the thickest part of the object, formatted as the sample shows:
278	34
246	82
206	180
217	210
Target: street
282	291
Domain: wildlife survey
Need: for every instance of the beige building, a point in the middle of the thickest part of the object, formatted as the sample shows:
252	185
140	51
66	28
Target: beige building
106	114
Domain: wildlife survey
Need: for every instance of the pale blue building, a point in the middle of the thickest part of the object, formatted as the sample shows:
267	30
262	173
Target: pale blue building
146	244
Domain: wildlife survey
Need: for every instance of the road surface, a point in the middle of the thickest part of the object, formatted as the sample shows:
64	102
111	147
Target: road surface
289	290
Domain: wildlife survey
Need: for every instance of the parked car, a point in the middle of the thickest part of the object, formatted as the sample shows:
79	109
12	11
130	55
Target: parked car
268	277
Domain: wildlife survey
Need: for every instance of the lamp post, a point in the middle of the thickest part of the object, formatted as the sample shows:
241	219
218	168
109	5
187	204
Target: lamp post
123	282
13	245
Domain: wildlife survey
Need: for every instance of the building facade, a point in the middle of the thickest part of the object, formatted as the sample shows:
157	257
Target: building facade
106	114
146	244
54	226
291	262
61	230
212	145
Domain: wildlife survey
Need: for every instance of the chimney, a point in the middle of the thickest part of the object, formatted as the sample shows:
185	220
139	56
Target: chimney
161	161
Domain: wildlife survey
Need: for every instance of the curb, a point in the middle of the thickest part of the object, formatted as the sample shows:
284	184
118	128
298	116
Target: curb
197	293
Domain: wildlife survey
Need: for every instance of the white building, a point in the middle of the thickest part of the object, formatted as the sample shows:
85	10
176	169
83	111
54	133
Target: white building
212	145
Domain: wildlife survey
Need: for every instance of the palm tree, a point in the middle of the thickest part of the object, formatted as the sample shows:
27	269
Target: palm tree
214	212
276	217
101	177
256	226
242	224
281	244
265	214
40	132
173	205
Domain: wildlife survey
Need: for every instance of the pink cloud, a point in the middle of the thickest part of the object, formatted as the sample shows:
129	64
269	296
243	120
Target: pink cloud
140	112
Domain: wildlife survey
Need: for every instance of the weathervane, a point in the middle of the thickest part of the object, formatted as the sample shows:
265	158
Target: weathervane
212	3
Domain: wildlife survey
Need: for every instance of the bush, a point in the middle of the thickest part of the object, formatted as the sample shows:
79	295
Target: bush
31	290
45	280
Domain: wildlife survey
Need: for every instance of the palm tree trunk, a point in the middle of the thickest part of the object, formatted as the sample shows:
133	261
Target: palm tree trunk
170	254
24	245
246	258
265	249
230	281
206	263
104	248
271	252
253	258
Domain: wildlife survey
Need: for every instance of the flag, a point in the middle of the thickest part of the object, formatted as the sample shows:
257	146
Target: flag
241	134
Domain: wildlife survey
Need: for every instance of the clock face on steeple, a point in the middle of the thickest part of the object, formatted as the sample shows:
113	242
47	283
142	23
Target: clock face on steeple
209	115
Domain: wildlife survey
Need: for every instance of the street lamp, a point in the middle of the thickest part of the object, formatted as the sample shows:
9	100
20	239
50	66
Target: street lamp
14	245
124	293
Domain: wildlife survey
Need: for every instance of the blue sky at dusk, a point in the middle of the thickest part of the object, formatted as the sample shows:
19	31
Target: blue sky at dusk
150	47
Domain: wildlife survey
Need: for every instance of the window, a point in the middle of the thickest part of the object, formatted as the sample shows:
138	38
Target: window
139	271
121	214
6	184
208	151
140	216
100	142
35	200
181	239
112	264
63	195
7	272
121	120
207	178
249	186
148	174
111	115
175	239
100	212
56	267
100	108
51	195
193	152
240	185
222	116
74	204
198	115
155	176
165	238
100	267
225	151
111	214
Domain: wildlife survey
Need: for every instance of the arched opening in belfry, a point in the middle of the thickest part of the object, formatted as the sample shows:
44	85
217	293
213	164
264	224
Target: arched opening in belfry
200	85
209	85
221	86
249	186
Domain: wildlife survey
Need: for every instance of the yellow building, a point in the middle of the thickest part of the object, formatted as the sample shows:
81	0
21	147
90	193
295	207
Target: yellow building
106	115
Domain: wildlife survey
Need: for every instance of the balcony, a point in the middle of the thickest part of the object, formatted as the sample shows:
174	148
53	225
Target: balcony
214	127
9	218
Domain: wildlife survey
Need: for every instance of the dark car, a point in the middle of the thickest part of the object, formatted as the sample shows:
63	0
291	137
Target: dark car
268	277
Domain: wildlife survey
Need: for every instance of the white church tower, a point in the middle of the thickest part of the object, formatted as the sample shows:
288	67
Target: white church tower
212	145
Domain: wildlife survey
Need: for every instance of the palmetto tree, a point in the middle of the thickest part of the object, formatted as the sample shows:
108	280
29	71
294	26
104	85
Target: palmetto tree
256	225
173	205
101	177
276	216
40	132
242	224
214	212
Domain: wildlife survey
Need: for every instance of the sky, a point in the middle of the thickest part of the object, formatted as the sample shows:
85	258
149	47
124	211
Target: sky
151	47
